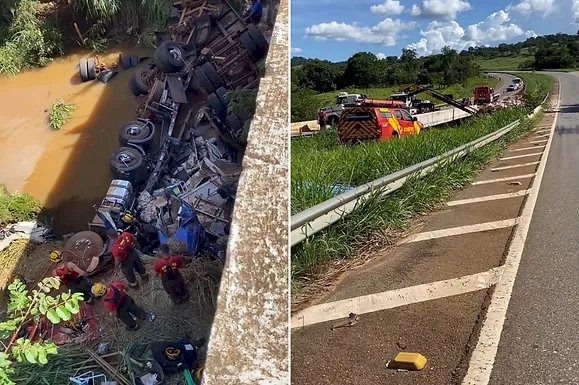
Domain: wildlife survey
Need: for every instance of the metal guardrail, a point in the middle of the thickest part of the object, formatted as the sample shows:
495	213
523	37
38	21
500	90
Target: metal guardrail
311	221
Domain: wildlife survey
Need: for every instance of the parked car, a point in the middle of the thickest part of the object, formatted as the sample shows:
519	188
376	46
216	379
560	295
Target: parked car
511	88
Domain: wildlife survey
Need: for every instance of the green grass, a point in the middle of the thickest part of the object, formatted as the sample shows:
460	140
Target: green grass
537	85
17	207
380	216
458	91
505	63
59	113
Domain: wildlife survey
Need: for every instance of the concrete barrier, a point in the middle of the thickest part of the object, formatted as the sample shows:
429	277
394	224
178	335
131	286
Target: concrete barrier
436	118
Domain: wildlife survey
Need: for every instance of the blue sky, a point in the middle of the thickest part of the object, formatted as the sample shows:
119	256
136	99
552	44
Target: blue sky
336	29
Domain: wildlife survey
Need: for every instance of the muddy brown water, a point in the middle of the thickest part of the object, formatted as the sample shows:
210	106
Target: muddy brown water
66	170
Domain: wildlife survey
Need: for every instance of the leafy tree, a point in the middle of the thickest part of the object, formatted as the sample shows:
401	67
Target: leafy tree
317	75
362	70
25	308
304	105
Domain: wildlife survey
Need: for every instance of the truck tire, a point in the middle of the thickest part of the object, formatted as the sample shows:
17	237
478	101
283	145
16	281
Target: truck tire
137	82
222	93
212	75
91	68
235	124
129	164
124	61
169	57
83	69
258	38
250	46
136	132
204	81
218	106
333	121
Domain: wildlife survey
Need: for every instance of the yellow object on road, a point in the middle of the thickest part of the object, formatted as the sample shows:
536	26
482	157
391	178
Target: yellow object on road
408	361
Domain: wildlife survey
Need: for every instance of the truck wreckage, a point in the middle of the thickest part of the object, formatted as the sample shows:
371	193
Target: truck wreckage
178	163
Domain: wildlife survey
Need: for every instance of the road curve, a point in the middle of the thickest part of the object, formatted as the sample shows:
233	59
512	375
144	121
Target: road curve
505	80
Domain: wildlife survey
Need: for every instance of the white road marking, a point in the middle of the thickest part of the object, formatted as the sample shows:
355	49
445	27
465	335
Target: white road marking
506	179
483	356
542	136
453	231
521	156
539	141
526	148
395	298
514	166
547	130
488	198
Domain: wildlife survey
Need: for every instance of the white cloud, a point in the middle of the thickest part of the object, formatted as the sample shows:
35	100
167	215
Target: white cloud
440	9
496	27
388	8
527	7
384	33
381	56
575	9
296	50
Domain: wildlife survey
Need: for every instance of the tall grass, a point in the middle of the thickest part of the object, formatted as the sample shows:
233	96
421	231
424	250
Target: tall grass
320	162
29	40
536	87
384	214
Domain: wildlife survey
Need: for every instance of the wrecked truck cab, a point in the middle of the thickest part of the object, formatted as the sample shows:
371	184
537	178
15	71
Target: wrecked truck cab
178	224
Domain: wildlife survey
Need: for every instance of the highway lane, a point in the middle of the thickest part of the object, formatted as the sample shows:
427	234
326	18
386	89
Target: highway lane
539	341
505	79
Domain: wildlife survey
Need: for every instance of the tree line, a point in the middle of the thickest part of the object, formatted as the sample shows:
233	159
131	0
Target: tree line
545	52
365	70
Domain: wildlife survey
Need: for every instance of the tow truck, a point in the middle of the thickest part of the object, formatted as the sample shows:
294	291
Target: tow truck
343	100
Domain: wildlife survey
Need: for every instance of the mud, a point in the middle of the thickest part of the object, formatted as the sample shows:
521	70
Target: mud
66	170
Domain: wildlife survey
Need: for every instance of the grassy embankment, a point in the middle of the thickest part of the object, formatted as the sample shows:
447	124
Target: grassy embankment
458	91
17	207
320	162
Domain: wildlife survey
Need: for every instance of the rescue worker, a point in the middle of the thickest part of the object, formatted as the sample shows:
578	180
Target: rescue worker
116	300
168	268
72	276
128	223
127	257
255	11
322	118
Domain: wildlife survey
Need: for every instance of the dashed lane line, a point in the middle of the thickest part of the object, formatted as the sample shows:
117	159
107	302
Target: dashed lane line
506	179
461	230
539	141
514	166
396	298
521	156
483	357
487	198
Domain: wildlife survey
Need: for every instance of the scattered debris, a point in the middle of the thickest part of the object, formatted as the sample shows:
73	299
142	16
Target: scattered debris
515	183
350	321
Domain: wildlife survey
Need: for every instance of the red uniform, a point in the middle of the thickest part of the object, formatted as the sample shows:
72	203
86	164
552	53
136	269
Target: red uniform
66	274
115	296
173	282
124	244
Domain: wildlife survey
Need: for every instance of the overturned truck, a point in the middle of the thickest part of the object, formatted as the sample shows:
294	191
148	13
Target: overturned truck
186	144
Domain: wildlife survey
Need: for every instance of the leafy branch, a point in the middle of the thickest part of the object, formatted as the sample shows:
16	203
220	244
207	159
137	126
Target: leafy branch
25	307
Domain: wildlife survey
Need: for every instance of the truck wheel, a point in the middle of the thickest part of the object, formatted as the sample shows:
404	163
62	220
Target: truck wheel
250	46
134	60
136	132
258	38
128	163
222	93
218	106
137	82
124	61
235	124
212	75
169	57
203	26
91	68
83	69
204	81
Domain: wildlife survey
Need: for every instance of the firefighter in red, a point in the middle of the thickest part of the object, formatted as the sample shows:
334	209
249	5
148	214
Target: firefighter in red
126	256
168	268
116	300
72	276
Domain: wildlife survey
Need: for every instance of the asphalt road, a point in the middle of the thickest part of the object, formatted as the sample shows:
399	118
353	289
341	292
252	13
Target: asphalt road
540	342
506	79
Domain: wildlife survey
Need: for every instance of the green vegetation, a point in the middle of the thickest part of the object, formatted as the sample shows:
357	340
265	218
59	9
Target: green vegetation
536	87
27	38
24	307
59	113
17	207
316	166
558	51
447	71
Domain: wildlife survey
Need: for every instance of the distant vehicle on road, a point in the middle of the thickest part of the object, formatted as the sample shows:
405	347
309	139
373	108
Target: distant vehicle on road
511	88
332	112
377	120
484	95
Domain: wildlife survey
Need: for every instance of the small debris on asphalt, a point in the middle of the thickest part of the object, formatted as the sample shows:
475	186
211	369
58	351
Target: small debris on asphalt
350	321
